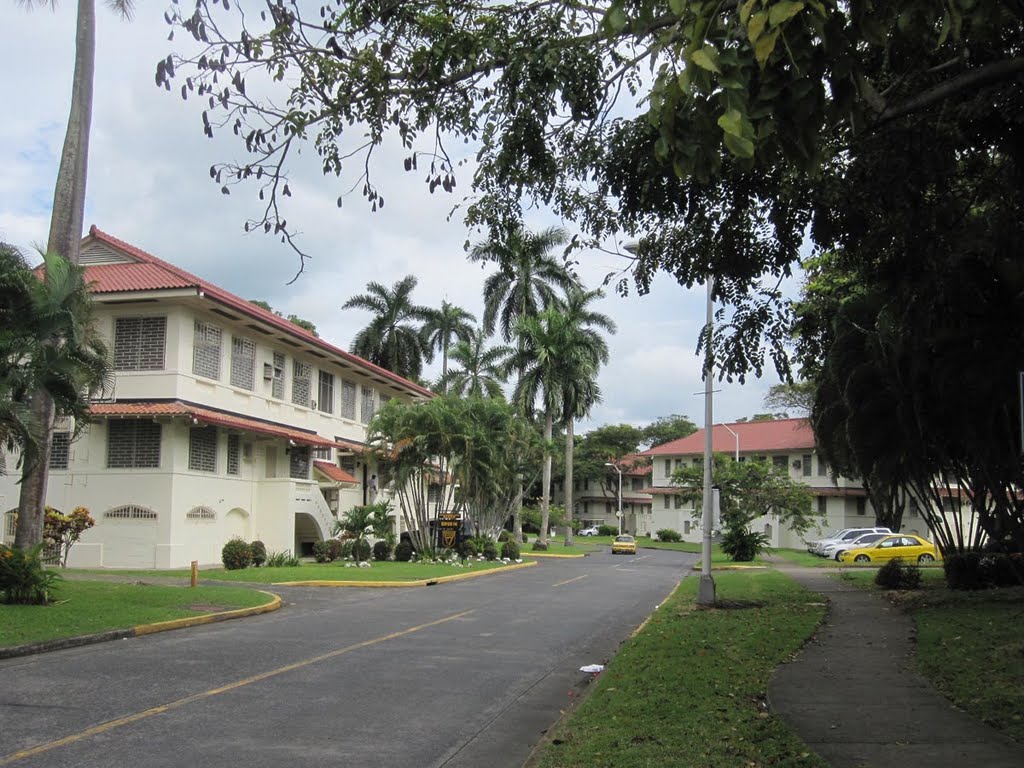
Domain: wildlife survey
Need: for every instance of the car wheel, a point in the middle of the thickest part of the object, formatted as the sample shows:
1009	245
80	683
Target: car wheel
862	559
837	556
926	558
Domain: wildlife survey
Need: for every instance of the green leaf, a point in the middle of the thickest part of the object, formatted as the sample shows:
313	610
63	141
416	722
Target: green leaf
756	25
706	58
739	146
764	46
617	18
677	6
745	10
783	12
732	122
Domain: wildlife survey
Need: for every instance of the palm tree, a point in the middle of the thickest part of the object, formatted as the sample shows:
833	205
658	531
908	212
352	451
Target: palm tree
391	340
482	370
52	351
445	326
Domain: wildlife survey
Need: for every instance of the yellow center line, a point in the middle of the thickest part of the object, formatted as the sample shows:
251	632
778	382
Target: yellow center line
147	713
567	581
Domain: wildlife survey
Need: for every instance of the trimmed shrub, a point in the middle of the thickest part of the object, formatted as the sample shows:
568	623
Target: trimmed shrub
510	550
327	551
381	551
282	560
540	546
980	570
403	551
667	534
503	536
607	530
346	549
24	580
743	545
259	552
361	550
490	551
467	549
236	554
897	575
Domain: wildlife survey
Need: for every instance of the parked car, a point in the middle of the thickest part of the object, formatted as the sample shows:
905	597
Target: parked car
849	534
624	544
591	531
902	545
832	551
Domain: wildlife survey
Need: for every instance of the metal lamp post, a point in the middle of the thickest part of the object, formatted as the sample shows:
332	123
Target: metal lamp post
616	468
737	440
706	586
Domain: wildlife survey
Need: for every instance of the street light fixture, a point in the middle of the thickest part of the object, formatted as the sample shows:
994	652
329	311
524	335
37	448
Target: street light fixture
616	468
737	440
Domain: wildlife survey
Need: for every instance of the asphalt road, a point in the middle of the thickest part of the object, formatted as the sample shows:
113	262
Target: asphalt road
462	674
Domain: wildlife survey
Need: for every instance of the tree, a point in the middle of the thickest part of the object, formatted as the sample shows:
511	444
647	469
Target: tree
63	531
481	371
748	490
64	239
665	429
610	443
306	325
391	340
50	349
790	398
357	523
445	326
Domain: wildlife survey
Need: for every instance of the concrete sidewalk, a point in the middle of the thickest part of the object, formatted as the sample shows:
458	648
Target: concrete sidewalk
855	696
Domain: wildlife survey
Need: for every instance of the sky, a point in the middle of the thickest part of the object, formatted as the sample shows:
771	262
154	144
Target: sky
149	184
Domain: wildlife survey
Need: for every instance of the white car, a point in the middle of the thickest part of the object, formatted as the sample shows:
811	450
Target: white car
844	537
591	531
832	551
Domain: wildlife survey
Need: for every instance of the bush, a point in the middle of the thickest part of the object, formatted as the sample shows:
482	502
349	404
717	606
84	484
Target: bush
667	534
282	560
345	550
361	550
381	551
540	546
327	551
24	580
607	530
467	549
510	550
403	551
504	536
490	551
258	550
896	575
236	554
743	545
981	570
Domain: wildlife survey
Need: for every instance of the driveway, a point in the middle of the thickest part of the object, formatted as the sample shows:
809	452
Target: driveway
460	674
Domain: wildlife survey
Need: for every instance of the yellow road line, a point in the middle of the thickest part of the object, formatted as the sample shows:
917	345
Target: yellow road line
570	581
134	718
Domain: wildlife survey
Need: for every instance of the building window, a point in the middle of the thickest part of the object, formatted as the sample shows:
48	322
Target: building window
206	351
325	392
862	505
686	526
586	484
781	463
914	509
348	463
301	383
200	513
202	449
822	505
384	399
130	512
348	400
806	464
298	463
668	467
668	503
434	493
679	502
277	385
133	444
697	460
234	445
60	450
822	467
322	454
949	504
243	363
139	343
367	409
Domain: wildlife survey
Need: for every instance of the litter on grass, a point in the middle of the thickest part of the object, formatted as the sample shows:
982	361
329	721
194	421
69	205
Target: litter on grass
592	668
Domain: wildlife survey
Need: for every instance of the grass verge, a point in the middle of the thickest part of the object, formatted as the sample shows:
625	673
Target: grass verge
803	557
86	607
688	689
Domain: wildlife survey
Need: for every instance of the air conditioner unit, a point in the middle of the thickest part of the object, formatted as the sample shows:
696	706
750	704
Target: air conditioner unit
797	464
268	371
247	451
312	404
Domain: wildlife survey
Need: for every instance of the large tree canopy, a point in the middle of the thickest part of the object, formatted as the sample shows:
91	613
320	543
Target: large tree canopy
704	128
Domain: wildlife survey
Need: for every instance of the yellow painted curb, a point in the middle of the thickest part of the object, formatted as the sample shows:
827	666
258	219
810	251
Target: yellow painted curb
416	583
734	567
547	554
209	618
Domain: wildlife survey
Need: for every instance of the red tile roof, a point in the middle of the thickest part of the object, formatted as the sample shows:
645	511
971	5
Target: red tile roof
201	415
152	274
754	437
334	472
350	445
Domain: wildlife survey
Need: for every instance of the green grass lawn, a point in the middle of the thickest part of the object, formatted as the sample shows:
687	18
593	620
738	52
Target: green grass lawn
85	607
688	689
336	571
802	557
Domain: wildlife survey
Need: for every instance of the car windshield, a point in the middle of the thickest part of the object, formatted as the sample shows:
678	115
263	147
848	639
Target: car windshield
869	538
623	538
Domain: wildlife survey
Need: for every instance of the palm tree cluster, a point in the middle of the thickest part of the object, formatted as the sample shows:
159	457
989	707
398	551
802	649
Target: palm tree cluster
550	339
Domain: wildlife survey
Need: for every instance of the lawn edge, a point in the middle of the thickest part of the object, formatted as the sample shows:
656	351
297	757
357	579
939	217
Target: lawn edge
416	583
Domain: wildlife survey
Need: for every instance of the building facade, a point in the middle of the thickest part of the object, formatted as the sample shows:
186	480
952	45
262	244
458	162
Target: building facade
223	420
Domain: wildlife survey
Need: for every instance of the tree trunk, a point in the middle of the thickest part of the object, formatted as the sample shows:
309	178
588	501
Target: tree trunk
569	448
545	492
517	513
65	239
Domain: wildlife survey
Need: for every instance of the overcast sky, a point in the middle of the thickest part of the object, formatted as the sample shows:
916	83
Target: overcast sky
149	184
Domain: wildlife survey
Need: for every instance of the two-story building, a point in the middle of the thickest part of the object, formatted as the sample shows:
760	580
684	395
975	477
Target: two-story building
224	420
789	444
596	502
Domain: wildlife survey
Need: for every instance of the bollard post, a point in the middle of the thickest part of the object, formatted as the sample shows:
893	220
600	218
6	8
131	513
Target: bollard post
195	572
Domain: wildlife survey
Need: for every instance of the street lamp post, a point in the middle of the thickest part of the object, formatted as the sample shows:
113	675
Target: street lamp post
737	440
616	468
706	586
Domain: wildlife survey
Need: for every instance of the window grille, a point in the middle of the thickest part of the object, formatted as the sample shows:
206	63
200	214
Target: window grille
348	463
298	463
822	467
243	362
60	450
206	351
862	505
322	454
366	410
130	512
822	505
202	449
133	444
668	503
277	385
3	463
234	444
668	467
139	343
806	465
325	392
781	462
348	400
200	513
301	374
434	493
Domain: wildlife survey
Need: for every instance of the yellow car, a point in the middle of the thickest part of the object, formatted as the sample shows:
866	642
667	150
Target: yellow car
905	546
625	545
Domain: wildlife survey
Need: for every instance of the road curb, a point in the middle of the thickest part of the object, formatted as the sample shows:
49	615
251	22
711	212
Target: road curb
548	554
417	583
30	649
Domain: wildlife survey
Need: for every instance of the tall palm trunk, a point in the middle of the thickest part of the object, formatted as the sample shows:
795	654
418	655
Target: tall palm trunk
545	497
64	239
569	448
